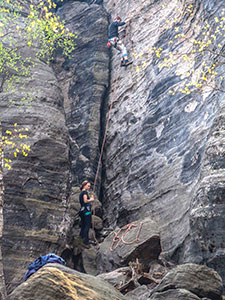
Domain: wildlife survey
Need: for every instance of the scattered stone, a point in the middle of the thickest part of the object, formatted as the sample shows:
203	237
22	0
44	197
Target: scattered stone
97	222
156	271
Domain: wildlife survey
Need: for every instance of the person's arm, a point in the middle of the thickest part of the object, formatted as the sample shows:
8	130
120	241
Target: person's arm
121	23
86	200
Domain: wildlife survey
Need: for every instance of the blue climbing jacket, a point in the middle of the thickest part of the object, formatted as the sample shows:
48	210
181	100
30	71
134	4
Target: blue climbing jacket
41	261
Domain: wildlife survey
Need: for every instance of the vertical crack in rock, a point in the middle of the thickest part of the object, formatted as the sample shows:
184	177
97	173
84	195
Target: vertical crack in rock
84	80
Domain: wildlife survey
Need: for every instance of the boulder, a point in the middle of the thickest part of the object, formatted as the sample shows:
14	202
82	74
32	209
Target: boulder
180	294
56	282
89	260
112	255
117	277
97	222
140	293
197	279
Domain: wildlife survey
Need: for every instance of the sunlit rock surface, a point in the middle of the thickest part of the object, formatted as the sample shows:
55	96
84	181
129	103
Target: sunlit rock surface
54	281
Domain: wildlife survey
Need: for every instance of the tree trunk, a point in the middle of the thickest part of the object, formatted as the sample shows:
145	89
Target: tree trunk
3	293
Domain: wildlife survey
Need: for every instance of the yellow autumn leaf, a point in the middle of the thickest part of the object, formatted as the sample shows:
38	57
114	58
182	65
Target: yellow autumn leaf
7	166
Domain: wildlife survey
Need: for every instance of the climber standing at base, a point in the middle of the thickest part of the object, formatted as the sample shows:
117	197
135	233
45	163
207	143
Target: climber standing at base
85	211
113	39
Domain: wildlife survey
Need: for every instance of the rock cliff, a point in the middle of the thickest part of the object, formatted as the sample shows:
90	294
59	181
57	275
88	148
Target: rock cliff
164	154
37	187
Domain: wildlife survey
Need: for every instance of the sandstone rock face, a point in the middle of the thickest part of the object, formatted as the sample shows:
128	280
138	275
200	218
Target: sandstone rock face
206	242
57	282
36	188
190	280
164	156
84	79
64	123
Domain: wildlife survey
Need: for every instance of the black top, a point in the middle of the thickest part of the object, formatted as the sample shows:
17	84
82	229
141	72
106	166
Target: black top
113	29
82	203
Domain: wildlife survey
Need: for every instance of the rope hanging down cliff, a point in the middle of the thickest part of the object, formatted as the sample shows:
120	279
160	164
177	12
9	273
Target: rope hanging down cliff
105	134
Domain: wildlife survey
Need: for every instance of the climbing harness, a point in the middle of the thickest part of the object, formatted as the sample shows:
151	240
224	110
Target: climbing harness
120	235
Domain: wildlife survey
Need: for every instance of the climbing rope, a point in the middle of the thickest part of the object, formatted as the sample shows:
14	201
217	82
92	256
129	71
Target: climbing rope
105	135
102	148
120	235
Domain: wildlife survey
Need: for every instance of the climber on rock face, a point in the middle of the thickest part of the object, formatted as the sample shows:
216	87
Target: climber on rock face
113	38
85	211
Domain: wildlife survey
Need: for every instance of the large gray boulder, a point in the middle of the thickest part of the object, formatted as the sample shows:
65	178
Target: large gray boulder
57	282
140	293
117	277
198	280
112	255
180	294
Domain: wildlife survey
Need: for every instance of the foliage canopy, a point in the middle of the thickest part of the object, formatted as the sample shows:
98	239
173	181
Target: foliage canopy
29	24
30	32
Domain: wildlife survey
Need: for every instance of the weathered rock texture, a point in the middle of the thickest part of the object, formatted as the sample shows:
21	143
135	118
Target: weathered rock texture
57	282
64	128
141	241
206	241
84	79
164	156
190	281
36	188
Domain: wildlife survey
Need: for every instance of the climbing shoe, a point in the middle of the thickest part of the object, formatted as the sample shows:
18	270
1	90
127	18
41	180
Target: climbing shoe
122	63
127	63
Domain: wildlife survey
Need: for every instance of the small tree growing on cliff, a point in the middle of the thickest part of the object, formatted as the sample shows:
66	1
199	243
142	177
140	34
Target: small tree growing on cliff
40	30
29	32
201	64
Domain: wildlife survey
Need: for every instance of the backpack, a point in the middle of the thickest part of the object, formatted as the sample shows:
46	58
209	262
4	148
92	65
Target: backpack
41	261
